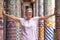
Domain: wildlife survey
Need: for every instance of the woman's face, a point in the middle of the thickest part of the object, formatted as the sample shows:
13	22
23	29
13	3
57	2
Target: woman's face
29	15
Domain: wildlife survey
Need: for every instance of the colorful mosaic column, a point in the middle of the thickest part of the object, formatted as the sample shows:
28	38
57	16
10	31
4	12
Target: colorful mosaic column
18	27
38	11
13	28
1	16
50	22
58	20
41	23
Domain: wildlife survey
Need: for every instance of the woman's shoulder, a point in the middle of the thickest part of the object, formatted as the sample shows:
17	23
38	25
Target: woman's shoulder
21	18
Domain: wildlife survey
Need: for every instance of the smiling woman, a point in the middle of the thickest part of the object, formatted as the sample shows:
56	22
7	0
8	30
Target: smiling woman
20	12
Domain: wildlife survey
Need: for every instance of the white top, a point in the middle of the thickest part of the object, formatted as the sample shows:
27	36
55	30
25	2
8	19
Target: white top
29	28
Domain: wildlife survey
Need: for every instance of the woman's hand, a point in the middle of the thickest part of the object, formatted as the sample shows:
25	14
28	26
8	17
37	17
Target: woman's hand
3	12
55	13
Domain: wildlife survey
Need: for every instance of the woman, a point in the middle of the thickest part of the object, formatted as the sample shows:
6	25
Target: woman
29	24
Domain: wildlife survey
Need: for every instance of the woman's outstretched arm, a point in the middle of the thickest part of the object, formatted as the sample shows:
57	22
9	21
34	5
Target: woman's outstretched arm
10	16
45	17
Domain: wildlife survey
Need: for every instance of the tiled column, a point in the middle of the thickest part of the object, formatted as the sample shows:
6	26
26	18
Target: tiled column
1	20
39	12
1	29
11	27
50	22
58	20
18	27
41	23
14	8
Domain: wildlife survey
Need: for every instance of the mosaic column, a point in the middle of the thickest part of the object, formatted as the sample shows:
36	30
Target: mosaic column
39	12
18	27
4	20
36	10
13	29
1	16
58	20
50	22
41	23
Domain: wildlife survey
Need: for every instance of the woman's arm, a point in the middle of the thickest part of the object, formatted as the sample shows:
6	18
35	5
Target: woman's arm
11	16
45	17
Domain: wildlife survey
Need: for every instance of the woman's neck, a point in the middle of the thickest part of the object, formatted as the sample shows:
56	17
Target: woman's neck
28	18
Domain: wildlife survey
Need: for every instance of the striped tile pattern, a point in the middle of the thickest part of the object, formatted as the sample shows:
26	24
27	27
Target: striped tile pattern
49	33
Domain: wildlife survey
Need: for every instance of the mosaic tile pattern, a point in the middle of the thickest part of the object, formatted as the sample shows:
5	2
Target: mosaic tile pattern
49	28
41	23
